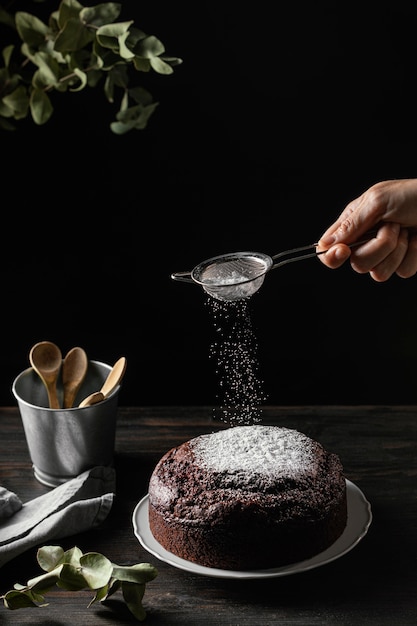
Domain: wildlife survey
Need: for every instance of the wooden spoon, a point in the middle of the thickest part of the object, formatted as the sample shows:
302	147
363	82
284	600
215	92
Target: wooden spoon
74	369
112	381
93	398
46	359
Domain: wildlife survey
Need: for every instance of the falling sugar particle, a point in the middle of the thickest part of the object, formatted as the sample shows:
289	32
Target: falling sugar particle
235	354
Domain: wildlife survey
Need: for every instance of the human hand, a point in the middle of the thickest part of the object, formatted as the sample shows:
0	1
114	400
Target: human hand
389	209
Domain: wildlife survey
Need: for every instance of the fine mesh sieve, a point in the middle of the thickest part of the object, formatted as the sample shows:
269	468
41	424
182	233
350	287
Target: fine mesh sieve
239	275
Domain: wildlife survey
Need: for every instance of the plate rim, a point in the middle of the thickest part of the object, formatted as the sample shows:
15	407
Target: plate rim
357	526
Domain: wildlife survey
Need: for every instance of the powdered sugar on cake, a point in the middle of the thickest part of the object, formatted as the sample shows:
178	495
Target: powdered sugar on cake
267	450
247	497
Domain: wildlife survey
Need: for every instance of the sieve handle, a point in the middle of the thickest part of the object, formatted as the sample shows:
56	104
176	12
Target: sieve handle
296	251
185	277
294	255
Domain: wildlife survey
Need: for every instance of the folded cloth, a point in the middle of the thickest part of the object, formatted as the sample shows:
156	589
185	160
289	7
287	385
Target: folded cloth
79	504
9	503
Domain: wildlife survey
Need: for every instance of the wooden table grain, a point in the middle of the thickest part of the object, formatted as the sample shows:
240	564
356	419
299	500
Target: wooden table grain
375	583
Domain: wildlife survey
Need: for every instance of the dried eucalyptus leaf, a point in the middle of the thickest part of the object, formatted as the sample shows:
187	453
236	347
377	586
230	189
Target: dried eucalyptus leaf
44	582
49	557
108	35
48	73
31	29
40	106
160	66
71	578
100	595
148	47
101	14
74	36
140	573
6	18
73	571
141	64
17	102
67	10
7	54
124	50
17	600
72	556
133	594
76	48
83	80
113	586
96	569
140	95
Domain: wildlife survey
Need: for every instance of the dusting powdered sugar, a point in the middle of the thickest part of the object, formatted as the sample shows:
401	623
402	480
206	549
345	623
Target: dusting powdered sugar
266	450
234	352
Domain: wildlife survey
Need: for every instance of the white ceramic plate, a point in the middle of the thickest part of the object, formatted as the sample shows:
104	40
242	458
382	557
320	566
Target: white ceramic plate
359	520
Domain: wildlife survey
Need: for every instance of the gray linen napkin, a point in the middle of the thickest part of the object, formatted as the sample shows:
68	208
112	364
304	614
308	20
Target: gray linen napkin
75	506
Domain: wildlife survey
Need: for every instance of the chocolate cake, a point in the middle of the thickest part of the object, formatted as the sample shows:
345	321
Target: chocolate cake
247	498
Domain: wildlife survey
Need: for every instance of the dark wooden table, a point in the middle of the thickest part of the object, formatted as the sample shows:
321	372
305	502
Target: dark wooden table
375	583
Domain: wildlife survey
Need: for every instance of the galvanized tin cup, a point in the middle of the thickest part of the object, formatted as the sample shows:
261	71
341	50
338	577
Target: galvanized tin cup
63	443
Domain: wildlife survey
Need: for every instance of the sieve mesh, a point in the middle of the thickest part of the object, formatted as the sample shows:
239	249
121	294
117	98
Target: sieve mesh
230	270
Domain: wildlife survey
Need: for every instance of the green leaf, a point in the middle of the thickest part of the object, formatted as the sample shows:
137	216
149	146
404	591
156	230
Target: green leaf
5	111
71	578
67	10
49	557
133	594
140	95
100	595
4	123
8	82
7	18
109	34
108	58
141	64
136	117
113	586
72	570
19	600
48	72
74	36
17	102
173	61
160	66
140	573
74	49
40	107
45	581
96	569
101	13
72	556
124	51
83	80
119	76
31	29
7	54
148	47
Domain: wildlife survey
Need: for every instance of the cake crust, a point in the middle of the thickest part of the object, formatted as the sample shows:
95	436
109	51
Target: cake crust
248	497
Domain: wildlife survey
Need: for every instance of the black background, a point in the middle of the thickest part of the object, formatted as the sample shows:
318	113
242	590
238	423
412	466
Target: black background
275	120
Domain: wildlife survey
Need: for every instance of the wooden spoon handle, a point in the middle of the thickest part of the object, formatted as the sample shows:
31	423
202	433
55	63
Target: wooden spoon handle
69	395
52	396
93	398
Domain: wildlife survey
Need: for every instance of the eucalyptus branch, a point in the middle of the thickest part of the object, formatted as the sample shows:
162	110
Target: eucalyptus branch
78	47
73	571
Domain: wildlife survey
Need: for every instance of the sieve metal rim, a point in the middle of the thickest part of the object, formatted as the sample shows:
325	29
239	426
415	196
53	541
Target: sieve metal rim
261	257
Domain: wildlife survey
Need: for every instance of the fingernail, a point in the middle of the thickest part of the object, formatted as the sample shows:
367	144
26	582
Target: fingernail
342	253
